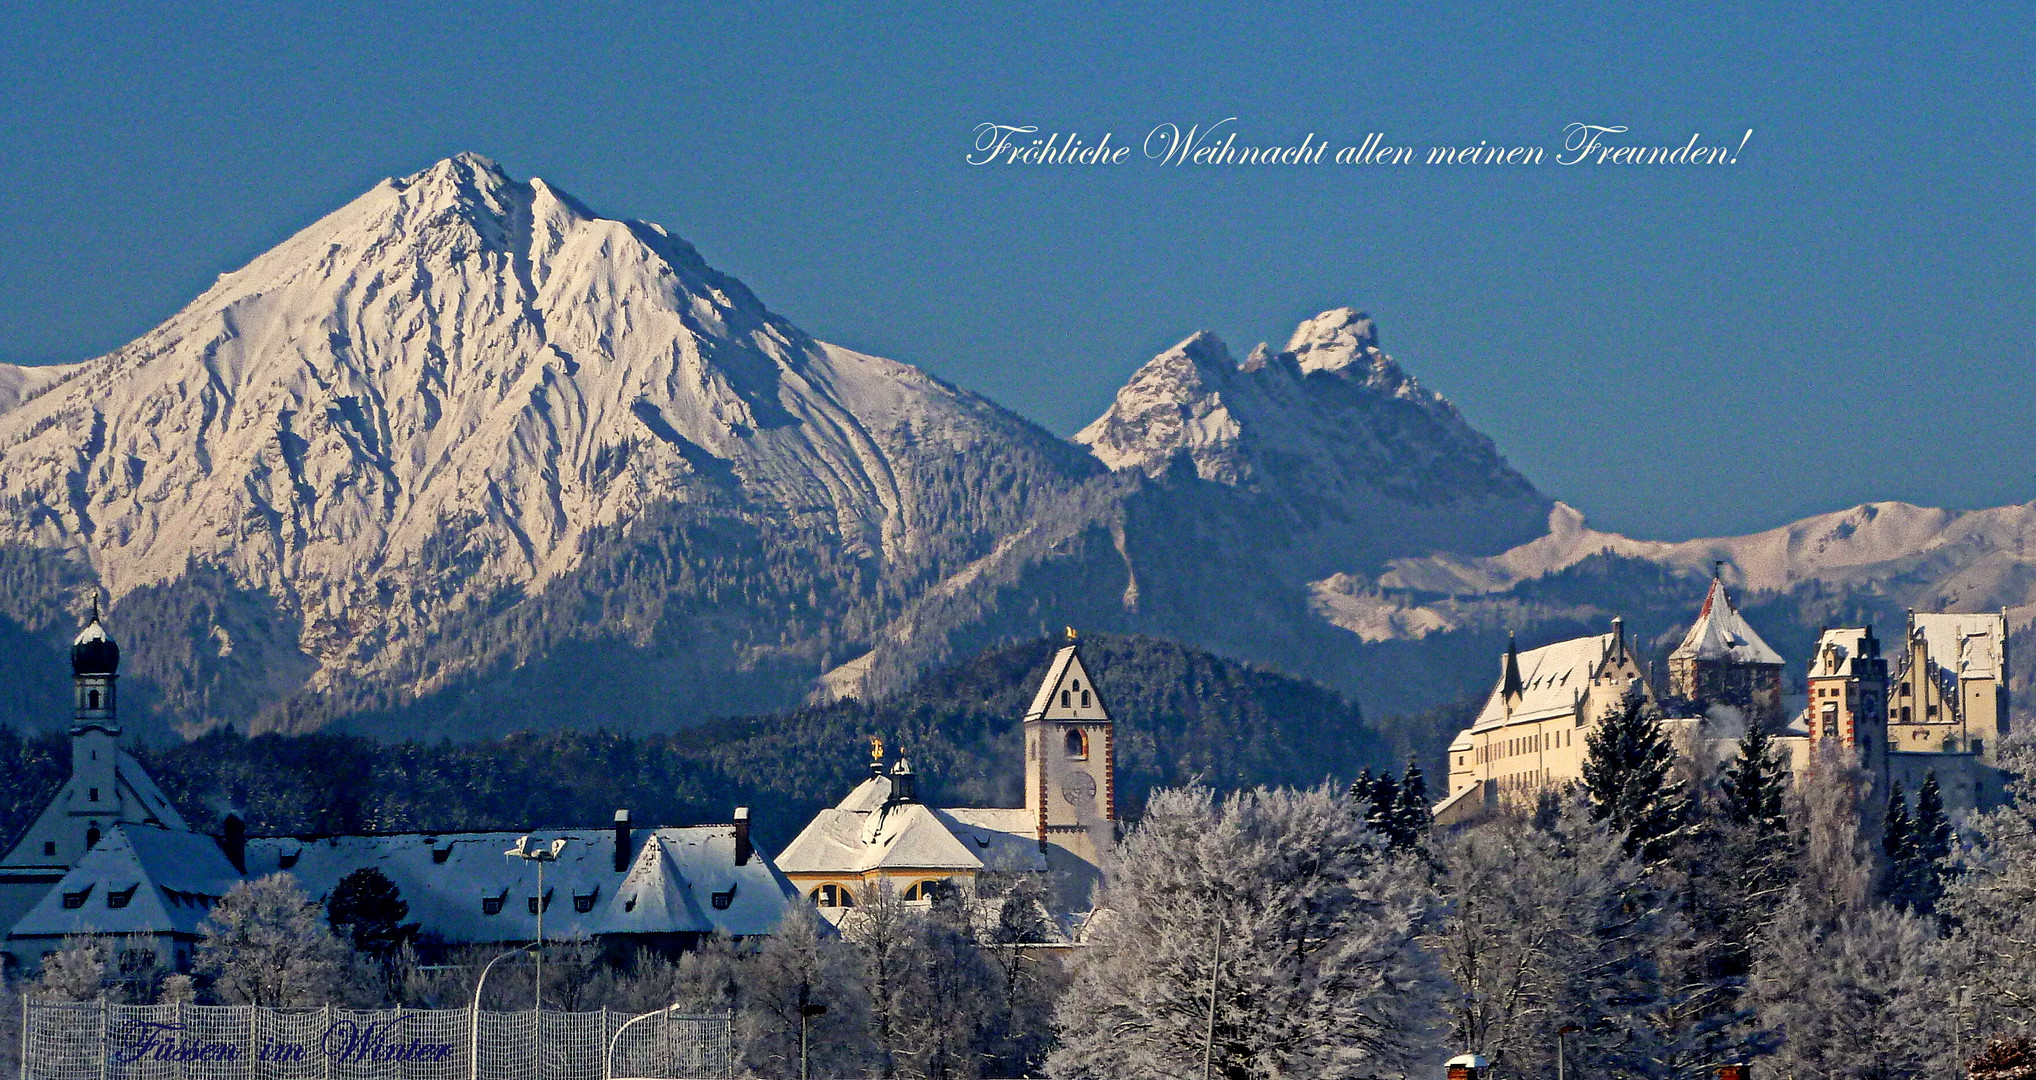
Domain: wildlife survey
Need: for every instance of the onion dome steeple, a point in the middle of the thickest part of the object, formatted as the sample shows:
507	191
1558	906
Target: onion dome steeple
93	651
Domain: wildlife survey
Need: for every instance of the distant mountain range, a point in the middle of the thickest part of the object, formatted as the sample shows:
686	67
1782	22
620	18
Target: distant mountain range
465	457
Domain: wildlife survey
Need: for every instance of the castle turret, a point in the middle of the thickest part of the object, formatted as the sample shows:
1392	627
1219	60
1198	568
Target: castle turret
1070	759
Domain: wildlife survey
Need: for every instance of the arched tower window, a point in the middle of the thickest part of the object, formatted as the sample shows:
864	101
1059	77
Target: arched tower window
91	838
92	700
1077	744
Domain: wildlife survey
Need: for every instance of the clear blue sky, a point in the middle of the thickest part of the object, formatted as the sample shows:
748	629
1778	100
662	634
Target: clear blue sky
1844	315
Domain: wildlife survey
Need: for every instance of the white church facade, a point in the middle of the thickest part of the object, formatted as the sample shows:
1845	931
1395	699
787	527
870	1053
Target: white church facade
882	836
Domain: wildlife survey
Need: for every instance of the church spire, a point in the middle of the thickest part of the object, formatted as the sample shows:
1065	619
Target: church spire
1509	683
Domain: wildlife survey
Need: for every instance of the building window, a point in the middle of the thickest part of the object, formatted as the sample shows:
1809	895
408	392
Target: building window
491	905
722	899
1077	744
584	904
75	900
121	898
91	838
832	895
932	889
92	795
1064	699
93	697
49	847
532	902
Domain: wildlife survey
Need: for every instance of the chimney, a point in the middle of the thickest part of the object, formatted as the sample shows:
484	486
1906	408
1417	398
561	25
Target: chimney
622	851
1619	634
743	850
234	842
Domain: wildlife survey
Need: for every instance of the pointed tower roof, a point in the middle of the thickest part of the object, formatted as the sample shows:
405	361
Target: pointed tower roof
1082	699
93	651
1509	675
1721	633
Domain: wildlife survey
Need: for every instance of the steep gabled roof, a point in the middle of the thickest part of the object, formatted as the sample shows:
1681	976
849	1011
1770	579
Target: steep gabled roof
1836	650
1721	633
1067	692
1550	680
164	880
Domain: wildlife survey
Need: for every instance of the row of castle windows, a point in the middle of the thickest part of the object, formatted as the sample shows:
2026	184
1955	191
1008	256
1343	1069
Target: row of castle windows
1524	744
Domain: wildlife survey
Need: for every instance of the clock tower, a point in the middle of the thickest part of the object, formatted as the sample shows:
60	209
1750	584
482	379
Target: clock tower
1070	763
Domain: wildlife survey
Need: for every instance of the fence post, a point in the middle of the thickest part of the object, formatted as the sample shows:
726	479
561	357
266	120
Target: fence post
105	1036
325	1059
177	1017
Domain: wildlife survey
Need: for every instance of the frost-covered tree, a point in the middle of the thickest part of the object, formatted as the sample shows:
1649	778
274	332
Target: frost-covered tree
1866	999
1829	801
1296	913
81	970
1991	905
1631	775
267	944
803	966
1545	927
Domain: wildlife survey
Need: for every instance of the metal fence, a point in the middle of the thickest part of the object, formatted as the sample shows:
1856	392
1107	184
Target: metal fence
244	1042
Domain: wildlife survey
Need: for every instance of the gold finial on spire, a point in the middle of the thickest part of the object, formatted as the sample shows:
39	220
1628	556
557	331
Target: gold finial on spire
1071	635
876	750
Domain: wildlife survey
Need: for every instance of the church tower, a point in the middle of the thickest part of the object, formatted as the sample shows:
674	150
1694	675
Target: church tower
1070	763
95	725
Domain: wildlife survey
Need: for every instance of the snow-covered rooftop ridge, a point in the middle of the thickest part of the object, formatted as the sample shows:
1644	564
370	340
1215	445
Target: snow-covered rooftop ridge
1836	649
1552	679
1721	633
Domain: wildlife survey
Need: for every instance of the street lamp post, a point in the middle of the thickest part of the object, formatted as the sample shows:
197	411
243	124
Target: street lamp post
807	1011
608	1063
474	1014
1561	1033
540	856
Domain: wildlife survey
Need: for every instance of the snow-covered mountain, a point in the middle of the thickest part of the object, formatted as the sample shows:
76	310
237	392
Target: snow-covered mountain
465	456
431	398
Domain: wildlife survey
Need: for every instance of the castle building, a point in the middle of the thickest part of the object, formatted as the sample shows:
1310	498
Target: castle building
881	835
1951	683
1530	733
1848	684
110	857
1721	661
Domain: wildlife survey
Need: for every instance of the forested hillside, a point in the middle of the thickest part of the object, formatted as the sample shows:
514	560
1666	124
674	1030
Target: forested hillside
1180	714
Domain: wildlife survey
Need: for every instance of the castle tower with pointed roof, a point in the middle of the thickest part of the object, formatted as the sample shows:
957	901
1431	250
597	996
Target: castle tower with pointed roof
1723	661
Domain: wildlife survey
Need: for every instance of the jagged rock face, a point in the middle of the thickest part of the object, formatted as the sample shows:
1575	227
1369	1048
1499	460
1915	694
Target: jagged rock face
1331	417
426	399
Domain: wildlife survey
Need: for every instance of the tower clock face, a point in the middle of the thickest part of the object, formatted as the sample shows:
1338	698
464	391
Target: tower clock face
1080	788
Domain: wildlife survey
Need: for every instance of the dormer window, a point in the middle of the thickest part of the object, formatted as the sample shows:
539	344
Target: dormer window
75	900
721	900
492	905
288	859
121	898
584	904
532	902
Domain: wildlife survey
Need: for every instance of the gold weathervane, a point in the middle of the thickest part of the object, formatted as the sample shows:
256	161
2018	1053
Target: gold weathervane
876	749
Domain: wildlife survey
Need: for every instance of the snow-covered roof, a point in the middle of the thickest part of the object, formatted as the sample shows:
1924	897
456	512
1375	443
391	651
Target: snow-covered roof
669	885
139	879
153	802
1838	647
1067	692
873	829
1552	679
93	631
1721	633
1965	646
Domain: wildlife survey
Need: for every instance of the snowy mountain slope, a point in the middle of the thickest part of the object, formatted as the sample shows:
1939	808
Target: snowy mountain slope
429	399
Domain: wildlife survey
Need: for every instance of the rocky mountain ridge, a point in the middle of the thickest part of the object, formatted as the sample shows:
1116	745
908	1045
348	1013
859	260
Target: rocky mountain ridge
465	456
